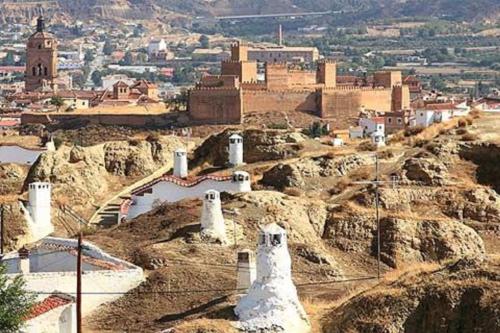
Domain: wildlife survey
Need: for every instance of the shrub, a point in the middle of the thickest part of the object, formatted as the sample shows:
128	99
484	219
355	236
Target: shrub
153	137
58	142
469	137
409	131
420	142
460	131
385	154
462	123
277	126
341	185
469	120
367	146
134	142
293	191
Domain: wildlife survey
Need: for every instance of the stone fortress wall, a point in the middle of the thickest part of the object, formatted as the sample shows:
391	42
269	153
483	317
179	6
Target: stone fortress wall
224	99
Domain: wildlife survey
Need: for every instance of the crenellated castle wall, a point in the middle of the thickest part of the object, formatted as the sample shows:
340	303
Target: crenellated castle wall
279	100
215	105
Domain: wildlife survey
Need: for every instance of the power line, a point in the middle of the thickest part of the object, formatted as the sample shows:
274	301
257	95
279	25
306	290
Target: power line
194	291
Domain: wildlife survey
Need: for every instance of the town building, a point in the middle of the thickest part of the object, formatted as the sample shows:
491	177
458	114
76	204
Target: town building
284	54
398	120
169	188
49	266
41	59
226	98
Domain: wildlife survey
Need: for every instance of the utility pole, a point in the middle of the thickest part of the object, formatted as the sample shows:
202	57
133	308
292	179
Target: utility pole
1	231
377	182
79	286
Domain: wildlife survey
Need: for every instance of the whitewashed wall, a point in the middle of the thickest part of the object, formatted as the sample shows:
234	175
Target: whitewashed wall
59	320
166	191
111	282
18	155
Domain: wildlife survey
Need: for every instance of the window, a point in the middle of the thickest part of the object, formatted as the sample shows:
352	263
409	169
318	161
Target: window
45	71
400	121
33	70
389	120
276	240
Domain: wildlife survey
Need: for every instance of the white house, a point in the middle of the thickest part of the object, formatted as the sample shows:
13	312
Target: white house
272	304
55	314
171	189
50	266
378	139
371	125
156	46
435	113
356	132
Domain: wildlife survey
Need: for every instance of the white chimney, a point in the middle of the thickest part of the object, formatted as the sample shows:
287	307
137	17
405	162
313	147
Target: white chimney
235	150
39	197
241	182
272	302
213	227
246	270
180	163
24	260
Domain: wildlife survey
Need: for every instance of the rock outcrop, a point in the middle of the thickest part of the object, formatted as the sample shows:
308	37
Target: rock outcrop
84	175
403	241
425	171
295	174
259	145
464	297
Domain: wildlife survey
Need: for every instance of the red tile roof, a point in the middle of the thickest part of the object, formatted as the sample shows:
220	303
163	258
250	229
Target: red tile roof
9	123
50	303
190	182
440	106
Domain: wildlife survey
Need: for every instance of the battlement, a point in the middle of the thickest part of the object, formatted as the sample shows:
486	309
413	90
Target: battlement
326	61
352	88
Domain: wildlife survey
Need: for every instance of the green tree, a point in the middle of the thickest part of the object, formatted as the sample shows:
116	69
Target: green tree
96	78
128	59
10	59
204	41
57	101
108	48
15	302
89	56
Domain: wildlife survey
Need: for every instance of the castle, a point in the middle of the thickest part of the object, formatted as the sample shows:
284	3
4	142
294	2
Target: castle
226	98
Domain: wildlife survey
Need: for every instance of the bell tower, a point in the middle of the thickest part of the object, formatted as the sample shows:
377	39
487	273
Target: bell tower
41	59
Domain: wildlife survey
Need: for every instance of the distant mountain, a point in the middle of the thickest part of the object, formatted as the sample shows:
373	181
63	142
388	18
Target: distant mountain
23	10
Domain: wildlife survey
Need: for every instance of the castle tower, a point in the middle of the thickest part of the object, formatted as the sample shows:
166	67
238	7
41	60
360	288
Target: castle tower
241	182
41	59
239	51
39	208
121	90
180	163
213	228
272	303
246	270
235	150
327	73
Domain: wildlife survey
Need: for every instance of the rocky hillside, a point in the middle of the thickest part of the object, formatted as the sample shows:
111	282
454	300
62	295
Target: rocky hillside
84	176
17	11
462	297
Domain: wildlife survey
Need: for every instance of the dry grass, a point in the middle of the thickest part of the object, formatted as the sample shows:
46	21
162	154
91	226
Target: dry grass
293	191
206	325
367	146
412	269
469	137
